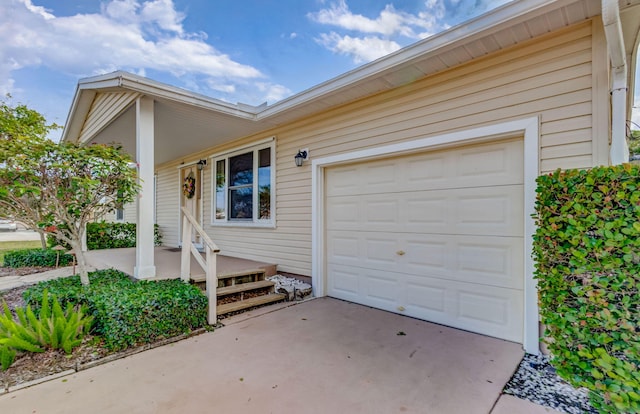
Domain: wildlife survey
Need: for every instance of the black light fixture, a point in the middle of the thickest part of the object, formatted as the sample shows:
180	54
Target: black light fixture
201	164
300	156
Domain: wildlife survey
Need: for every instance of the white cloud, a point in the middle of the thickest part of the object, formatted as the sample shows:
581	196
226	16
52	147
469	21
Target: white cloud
272	92
221	87
365	39
132	35
390	21
390	29
163	14
37	9
360	49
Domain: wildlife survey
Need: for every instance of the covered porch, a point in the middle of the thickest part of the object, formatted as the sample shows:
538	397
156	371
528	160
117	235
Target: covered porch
167	262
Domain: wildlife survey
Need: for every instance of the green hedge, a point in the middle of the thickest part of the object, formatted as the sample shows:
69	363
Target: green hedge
129	312
103	235
587	252
35	258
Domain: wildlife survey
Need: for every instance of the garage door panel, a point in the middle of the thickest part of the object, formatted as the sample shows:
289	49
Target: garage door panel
380	287
345	283
344	180
426	300
344	248
495	163
381	251
383	212
495	211
491	261
343	212
430	212
489	310
366	286
367	250
492	311
428	255
472	166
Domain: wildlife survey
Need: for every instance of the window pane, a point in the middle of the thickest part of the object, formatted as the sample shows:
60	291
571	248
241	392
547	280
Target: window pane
241	203
220	191
241	169
264	183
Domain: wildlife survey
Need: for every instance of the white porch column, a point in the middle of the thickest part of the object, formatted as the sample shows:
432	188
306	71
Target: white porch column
145	264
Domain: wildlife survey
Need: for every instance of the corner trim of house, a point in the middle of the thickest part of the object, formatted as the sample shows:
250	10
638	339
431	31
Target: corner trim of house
527	127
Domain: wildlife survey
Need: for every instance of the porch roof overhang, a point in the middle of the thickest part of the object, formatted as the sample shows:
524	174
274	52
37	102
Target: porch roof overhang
103	107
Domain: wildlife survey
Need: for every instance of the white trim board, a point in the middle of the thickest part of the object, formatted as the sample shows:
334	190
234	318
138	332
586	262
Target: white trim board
528	127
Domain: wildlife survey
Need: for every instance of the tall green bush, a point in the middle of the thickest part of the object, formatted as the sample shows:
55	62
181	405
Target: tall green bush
36	258
587	252
104	235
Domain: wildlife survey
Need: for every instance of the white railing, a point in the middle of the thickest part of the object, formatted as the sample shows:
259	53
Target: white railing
208	264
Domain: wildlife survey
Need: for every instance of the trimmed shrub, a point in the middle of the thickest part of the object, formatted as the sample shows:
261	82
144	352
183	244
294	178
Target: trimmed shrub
587	252
128	312
103	235
70	290
36	257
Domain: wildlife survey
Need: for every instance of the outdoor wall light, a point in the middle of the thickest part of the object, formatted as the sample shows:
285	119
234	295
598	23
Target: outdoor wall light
201	164
302	155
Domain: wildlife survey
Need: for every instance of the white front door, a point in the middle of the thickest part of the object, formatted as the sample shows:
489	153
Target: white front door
191	197
436	235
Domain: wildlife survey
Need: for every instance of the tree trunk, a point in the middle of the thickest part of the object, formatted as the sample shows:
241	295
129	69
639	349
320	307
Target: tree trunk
82	264
43	239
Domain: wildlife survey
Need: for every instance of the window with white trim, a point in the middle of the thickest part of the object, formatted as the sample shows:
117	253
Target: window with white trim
243	186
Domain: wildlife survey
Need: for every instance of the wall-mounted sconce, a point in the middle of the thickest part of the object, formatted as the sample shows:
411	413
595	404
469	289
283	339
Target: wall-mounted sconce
302	155
201	164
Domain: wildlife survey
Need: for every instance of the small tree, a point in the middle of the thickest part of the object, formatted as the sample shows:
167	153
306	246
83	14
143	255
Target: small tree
59	188
23	123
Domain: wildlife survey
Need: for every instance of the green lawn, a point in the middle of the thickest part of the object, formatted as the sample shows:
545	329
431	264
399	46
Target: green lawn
13	245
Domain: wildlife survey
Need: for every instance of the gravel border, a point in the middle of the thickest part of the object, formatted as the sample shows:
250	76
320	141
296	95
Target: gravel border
536	380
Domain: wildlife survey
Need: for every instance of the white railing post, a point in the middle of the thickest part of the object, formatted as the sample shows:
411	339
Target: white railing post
185	261
212	286
209	265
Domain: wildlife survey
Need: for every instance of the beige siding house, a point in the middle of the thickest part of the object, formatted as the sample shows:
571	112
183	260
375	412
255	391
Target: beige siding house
418	185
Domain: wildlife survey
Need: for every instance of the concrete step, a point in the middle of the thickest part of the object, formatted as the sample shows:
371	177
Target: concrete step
249	303
244	287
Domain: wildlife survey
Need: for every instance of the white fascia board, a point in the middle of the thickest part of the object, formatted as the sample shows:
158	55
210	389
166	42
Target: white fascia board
492	21
80	106
162	90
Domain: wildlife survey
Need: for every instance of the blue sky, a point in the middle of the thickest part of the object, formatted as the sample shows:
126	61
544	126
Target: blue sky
235	50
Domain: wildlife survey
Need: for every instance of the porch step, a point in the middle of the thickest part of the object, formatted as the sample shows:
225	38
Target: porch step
230	279
249	303
244	287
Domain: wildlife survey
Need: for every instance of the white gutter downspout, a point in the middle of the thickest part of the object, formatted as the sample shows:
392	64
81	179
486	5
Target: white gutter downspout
619	152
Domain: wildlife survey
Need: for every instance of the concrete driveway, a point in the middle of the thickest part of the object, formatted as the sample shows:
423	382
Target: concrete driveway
320	356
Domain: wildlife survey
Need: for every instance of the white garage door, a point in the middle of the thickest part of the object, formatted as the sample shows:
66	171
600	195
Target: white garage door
437	236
